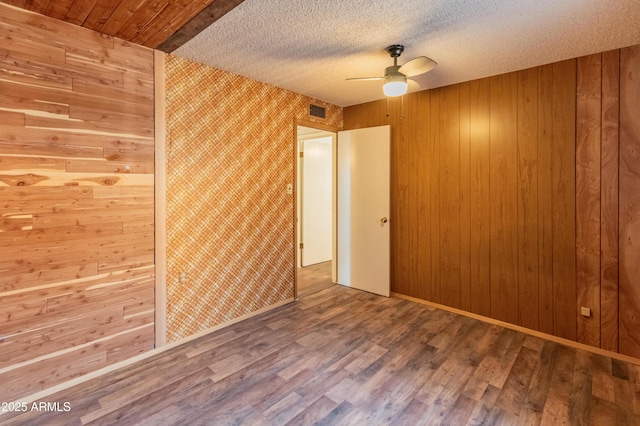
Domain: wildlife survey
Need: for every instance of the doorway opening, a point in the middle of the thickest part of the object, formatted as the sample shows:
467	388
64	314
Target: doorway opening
315	209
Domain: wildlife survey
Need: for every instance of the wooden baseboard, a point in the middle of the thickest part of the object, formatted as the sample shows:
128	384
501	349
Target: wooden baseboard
62	386
521	329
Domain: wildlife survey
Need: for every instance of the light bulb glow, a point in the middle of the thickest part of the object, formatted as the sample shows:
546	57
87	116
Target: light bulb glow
395	88
395	84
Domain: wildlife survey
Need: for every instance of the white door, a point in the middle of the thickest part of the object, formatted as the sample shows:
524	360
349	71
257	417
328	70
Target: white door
316	214
363	209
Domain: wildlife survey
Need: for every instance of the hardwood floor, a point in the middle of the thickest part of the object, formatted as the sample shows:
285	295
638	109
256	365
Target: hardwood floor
314	278
341	356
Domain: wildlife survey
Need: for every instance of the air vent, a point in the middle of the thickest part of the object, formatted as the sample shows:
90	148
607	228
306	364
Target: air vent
317	111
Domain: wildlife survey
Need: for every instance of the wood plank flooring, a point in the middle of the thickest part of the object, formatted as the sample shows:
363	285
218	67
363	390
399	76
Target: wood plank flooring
341	356
314	278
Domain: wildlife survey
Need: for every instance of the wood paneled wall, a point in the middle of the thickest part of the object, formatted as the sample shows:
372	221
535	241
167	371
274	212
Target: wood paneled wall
230	221
505	196
608	204
76	201
597	169
629	208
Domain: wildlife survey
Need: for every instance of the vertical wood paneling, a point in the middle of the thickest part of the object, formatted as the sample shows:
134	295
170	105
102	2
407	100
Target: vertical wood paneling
480	245
436	198
465	198
563	192
503	197
424	161
77	191
630	201
609	200
545	200
412	201
539	164
366	115
528	198
588	131
404	208
417	218
449	190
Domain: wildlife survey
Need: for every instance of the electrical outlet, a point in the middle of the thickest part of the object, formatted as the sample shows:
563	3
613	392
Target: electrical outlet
289	188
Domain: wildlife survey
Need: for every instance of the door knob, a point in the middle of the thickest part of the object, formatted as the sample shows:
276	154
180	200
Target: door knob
383	220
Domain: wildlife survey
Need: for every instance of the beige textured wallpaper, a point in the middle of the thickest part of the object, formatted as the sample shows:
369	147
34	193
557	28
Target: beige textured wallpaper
230	245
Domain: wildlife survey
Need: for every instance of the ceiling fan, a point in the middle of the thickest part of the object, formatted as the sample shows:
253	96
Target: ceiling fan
396	76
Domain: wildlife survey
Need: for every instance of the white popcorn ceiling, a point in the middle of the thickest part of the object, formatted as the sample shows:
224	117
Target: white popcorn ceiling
311	47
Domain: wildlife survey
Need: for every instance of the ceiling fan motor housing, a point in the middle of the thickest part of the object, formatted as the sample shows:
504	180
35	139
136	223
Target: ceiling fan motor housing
392	70
395	50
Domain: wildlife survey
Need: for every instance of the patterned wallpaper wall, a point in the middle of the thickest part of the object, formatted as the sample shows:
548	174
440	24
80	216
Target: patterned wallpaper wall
230	246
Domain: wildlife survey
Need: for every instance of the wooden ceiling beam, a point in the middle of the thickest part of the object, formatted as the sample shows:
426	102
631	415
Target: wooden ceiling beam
168	21
216	10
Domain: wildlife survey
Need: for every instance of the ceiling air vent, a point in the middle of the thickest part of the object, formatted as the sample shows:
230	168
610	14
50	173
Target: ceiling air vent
317	111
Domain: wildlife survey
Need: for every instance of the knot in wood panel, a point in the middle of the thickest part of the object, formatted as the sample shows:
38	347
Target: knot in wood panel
22	180
102	180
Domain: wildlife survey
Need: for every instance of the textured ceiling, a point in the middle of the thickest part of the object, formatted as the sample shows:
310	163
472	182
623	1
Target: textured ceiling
311	47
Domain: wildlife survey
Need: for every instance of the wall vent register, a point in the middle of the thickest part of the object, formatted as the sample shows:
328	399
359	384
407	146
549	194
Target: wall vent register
317	111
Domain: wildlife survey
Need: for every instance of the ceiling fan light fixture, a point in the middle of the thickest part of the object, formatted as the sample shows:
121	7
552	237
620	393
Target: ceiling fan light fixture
395	76
395	85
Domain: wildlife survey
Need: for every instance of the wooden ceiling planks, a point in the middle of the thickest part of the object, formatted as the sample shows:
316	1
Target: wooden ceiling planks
125	10
39	6
58	9
145	17
99	14
17	3
149	23
171	19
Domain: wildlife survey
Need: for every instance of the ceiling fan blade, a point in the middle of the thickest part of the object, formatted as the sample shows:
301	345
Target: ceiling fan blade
413	85
417	66
365	78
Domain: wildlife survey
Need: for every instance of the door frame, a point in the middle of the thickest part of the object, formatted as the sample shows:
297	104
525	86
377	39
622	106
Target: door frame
320	127
305	221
